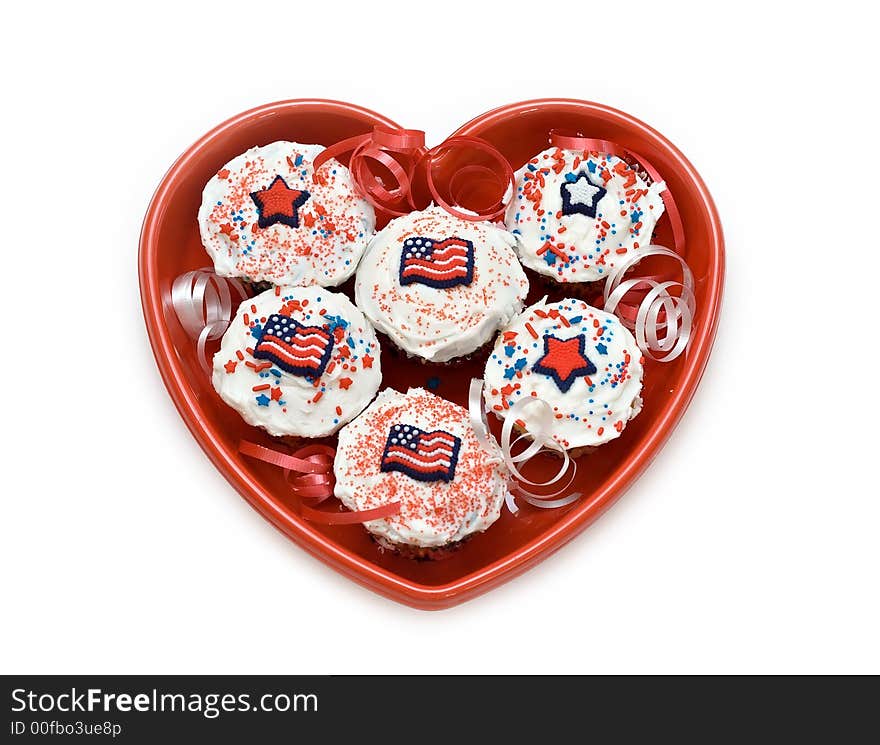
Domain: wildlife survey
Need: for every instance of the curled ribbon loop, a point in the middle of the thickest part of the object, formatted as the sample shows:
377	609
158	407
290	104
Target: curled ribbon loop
396	150
498	178
677	311
309	471
203	304
540	442
567	141
402	155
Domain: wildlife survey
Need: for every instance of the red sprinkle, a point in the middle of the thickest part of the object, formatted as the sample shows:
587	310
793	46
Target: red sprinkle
531	330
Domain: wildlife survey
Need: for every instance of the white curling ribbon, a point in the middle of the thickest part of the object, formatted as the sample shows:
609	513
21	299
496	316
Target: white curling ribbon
540	441
203	304
647	325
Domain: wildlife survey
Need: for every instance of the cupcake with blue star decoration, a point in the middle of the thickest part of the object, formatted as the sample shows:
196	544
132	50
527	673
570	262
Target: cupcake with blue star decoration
576	214
579	360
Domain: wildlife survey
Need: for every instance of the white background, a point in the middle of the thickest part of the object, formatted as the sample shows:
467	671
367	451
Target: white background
750	545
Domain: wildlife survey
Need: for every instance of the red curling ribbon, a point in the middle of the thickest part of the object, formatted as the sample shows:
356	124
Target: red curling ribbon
350	517
402	153
309	471
501	177
565	141
387	147
305	460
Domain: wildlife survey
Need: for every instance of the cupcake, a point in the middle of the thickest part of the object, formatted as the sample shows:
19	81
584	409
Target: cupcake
440	286
580	360
265	217
575	214
298	361
419	450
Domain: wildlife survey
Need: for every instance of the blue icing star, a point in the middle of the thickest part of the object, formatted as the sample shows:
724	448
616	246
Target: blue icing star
509	373
520	363
336	321
591	166
257	331
433	383
601	349
263	399
550	257
509	351
571	177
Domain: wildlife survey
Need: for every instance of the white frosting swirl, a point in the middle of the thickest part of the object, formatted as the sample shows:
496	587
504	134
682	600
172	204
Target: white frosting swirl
432	514
334	223
439	324
577	246
596	405
282	402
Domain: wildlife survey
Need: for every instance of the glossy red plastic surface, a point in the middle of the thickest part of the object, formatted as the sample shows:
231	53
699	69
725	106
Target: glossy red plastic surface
170	245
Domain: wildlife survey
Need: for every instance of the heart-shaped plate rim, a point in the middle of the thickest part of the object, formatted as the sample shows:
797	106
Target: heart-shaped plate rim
232	466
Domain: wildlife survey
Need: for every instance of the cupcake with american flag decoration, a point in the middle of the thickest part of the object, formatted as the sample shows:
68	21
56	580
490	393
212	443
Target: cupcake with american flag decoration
419	451
438	286
298	361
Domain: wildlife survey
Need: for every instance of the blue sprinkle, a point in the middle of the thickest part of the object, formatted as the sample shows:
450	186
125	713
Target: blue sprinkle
298	160
276	373
576	319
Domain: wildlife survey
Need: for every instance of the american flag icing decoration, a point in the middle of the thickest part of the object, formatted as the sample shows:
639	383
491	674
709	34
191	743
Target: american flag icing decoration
295	348
437	263
425	456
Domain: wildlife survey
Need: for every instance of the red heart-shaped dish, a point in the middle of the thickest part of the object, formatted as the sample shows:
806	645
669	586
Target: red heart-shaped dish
170	246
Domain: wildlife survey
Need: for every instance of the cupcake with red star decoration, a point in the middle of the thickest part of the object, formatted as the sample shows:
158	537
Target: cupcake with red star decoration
298	361
267	217
420	451
439	286
576	214
580	360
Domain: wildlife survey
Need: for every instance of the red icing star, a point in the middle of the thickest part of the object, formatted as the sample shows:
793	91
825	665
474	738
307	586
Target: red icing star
344	383
564	360
368	361
230	366
275	394
279	203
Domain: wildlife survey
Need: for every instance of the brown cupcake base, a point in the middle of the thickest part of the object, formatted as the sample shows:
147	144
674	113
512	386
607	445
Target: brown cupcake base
541	284
573	453
386	342
419	553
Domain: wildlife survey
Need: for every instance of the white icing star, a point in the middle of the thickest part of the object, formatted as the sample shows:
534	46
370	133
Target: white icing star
582	192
